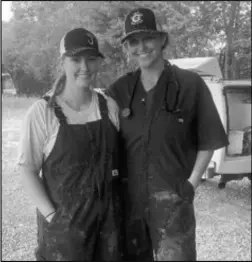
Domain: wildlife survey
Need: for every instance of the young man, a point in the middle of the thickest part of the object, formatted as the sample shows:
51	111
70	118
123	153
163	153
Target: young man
169	130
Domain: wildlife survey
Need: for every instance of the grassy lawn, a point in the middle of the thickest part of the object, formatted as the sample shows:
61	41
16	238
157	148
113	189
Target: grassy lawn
223	216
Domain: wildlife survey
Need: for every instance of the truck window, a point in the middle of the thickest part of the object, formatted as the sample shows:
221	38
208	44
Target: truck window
239	120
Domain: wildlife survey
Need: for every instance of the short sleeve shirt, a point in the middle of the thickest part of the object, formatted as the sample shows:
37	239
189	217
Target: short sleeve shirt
168	141
40	127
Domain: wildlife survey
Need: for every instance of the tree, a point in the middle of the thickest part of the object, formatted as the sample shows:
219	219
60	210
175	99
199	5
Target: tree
30	44
230	28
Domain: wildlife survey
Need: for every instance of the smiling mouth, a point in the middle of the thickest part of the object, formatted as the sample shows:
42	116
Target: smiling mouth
143	55
84	75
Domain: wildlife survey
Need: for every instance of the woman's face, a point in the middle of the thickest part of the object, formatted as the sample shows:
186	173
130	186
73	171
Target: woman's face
81	70
145	48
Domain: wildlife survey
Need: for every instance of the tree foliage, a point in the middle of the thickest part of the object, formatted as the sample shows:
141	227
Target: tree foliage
30	43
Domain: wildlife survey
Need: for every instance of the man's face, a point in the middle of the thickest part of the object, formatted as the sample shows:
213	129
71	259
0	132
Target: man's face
145	48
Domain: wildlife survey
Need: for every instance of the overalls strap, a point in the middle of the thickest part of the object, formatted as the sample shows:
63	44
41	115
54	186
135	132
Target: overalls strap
103	107
58	111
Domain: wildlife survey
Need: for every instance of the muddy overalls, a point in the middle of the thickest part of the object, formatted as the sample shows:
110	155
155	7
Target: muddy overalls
159	151
80	179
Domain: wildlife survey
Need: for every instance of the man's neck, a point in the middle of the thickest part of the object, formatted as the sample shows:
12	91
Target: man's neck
150	75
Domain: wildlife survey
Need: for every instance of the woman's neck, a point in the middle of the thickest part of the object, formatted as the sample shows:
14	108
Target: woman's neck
150	75
77	97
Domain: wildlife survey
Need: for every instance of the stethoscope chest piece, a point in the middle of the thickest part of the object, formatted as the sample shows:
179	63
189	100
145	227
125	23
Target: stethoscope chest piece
126	112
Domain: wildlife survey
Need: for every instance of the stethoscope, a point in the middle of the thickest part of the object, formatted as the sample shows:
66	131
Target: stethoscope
127	112
170	106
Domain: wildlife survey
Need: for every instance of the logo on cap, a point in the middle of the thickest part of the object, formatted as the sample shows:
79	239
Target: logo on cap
90	39
136	18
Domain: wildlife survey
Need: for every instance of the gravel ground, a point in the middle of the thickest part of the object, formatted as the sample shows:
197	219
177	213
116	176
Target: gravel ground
223	216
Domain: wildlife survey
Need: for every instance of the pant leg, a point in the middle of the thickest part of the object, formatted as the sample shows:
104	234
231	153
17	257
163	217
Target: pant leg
40	253
109	247
136	239
172	224
138	245
39	257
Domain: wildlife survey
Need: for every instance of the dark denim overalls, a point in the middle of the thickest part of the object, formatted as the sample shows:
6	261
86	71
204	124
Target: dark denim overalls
81	179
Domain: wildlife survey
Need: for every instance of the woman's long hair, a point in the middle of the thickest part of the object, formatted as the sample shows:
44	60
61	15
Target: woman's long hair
58	88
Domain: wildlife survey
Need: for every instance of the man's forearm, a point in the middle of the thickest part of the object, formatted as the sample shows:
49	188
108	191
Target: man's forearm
202	161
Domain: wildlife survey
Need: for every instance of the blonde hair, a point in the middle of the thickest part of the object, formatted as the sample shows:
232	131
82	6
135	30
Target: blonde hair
58	88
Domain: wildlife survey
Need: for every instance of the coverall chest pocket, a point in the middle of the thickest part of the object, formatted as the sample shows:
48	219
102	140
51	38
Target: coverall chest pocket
173	124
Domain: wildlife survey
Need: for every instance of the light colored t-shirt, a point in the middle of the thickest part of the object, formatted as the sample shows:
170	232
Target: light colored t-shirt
40	127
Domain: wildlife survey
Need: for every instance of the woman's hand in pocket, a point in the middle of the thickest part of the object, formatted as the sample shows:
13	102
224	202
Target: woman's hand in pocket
50	216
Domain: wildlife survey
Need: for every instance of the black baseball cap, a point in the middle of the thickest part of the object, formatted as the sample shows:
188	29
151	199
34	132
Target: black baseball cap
141	20
77	41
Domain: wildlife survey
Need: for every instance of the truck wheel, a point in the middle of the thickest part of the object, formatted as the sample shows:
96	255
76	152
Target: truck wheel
222	181
221	185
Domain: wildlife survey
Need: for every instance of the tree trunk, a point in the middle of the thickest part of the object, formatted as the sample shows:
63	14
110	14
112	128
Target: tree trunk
226	63
229	30
238	70
234	68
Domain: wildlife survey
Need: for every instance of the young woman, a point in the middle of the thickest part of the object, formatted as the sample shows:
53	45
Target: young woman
68	160
170	128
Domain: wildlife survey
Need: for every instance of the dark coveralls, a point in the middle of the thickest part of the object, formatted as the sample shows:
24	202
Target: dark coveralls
78	179
160	140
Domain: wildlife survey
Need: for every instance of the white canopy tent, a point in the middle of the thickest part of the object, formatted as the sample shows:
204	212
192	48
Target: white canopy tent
204	66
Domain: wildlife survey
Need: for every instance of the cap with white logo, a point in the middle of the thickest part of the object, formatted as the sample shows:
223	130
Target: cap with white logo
77	41
141	20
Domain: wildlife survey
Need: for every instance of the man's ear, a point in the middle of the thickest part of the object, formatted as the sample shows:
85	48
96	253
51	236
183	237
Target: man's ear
164	41
125	46
100	63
